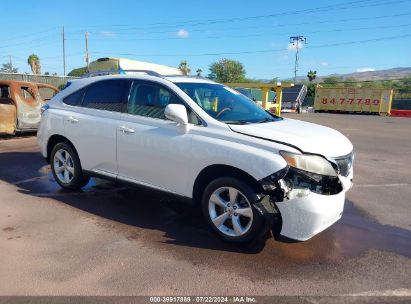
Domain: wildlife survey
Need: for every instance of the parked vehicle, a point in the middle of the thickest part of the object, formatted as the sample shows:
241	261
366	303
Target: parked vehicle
204	141
20	104
123	64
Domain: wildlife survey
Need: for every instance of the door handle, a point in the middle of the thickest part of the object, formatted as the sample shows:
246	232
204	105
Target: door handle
72	119
125	130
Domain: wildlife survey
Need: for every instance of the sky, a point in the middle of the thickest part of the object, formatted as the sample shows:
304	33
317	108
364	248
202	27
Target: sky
342	36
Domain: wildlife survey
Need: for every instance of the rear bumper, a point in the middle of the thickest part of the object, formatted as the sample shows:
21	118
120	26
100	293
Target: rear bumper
304	217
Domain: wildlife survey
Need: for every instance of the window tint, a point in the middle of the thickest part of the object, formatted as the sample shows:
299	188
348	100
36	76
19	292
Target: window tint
150	100
105	95
75	98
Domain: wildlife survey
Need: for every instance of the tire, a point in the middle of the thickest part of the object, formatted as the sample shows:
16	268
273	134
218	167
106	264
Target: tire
224	219
66	167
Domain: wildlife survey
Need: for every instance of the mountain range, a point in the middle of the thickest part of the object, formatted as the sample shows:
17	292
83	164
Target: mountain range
394	73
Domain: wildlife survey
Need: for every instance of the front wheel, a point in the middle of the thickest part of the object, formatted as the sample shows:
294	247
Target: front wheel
66	167
227	208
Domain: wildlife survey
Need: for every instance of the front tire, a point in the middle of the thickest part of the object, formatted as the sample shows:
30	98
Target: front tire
66	167
227	208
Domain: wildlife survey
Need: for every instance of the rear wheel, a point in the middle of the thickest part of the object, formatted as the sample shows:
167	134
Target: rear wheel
66	167
227	208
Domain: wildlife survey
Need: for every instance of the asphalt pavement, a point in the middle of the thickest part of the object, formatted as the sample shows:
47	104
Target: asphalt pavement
114	240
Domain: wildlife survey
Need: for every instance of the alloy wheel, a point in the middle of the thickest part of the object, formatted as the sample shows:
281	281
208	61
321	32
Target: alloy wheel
230	211
63	166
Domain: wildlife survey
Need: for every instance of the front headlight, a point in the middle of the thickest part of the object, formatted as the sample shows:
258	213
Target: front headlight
310	163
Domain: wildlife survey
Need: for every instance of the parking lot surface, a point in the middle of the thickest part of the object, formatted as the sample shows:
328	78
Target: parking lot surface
111	240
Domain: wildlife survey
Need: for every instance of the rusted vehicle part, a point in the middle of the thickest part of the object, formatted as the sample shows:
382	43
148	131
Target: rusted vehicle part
20	104
46	91
7	118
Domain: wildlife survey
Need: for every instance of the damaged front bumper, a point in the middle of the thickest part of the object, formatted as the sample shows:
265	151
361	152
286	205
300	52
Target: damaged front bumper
308	207
303	217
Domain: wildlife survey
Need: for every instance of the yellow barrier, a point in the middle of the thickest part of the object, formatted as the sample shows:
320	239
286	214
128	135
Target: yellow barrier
265	88
365	100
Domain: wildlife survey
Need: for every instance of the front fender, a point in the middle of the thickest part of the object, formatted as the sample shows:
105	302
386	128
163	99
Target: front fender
257	162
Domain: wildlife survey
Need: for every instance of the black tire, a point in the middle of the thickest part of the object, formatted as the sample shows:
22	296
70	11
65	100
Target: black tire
76	180
257	229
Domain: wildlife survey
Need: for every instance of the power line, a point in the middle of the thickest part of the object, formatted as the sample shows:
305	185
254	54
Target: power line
259	35
44	38
265	50
291	24
339	6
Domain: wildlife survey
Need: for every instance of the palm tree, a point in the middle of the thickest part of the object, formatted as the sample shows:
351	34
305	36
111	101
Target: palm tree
311	75
34	63
199	71
184	67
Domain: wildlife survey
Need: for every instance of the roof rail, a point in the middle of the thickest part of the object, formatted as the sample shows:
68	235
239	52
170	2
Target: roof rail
188	76
110	72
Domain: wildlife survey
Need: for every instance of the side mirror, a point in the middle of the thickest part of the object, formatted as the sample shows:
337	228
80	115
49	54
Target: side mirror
177	113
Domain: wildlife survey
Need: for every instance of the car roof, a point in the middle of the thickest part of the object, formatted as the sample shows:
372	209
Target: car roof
142	76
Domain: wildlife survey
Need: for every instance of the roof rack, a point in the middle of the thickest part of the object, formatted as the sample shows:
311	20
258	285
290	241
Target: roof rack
110	72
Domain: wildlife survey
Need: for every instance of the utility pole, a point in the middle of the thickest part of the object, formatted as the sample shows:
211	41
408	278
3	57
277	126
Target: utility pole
87	53
64	54
11	64
297	41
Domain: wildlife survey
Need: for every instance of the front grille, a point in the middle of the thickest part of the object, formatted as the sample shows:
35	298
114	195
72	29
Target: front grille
345	164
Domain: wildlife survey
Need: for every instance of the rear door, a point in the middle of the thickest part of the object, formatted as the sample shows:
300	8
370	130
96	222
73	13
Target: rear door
91	123
28	104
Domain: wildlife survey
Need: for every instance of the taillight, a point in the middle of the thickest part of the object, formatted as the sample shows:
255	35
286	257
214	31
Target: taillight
44	108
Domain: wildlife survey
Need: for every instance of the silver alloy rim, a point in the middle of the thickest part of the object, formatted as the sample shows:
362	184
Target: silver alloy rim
230	211
63	166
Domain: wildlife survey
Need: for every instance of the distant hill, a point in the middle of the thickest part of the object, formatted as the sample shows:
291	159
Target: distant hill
394	73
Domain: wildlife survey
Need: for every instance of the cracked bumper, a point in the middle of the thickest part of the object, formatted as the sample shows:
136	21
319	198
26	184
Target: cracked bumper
303	217
309	215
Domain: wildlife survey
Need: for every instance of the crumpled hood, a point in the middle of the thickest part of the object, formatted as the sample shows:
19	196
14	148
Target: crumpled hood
308	137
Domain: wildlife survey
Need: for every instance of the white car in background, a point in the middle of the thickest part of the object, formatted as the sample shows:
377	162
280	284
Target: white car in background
202	140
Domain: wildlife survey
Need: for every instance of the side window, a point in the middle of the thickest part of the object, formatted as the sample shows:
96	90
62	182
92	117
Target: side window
105	95
27	93
5	91
75	99
150	100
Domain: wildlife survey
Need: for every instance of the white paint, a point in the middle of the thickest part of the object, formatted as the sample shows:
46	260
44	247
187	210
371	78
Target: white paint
380	185
160	154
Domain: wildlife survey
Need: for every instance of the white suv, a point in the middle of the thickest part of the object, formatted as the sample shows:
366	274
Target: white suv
202	140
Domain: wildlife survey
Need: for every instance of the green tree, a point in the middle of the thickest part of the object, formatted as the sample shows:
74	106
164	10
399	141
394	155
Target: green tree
311	75
227	70
199	71
34	63
78	72
8	68
350	82
332	80
184	67
274	80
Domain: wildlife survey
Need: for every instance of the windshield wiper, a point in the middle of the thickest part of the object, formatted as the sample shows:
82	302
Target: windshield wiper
267	119
237	122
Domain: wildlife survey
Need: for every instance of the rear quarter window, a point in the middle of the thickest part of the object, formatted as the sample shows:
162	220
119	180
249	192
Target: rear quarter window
75	99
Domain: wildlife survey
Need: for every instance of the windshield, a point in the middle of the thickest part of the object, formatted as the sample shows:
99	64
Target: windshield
225	104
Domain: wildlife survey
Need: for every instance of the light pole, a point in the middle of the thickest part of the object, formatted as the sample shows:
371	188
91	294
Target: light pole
297	41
